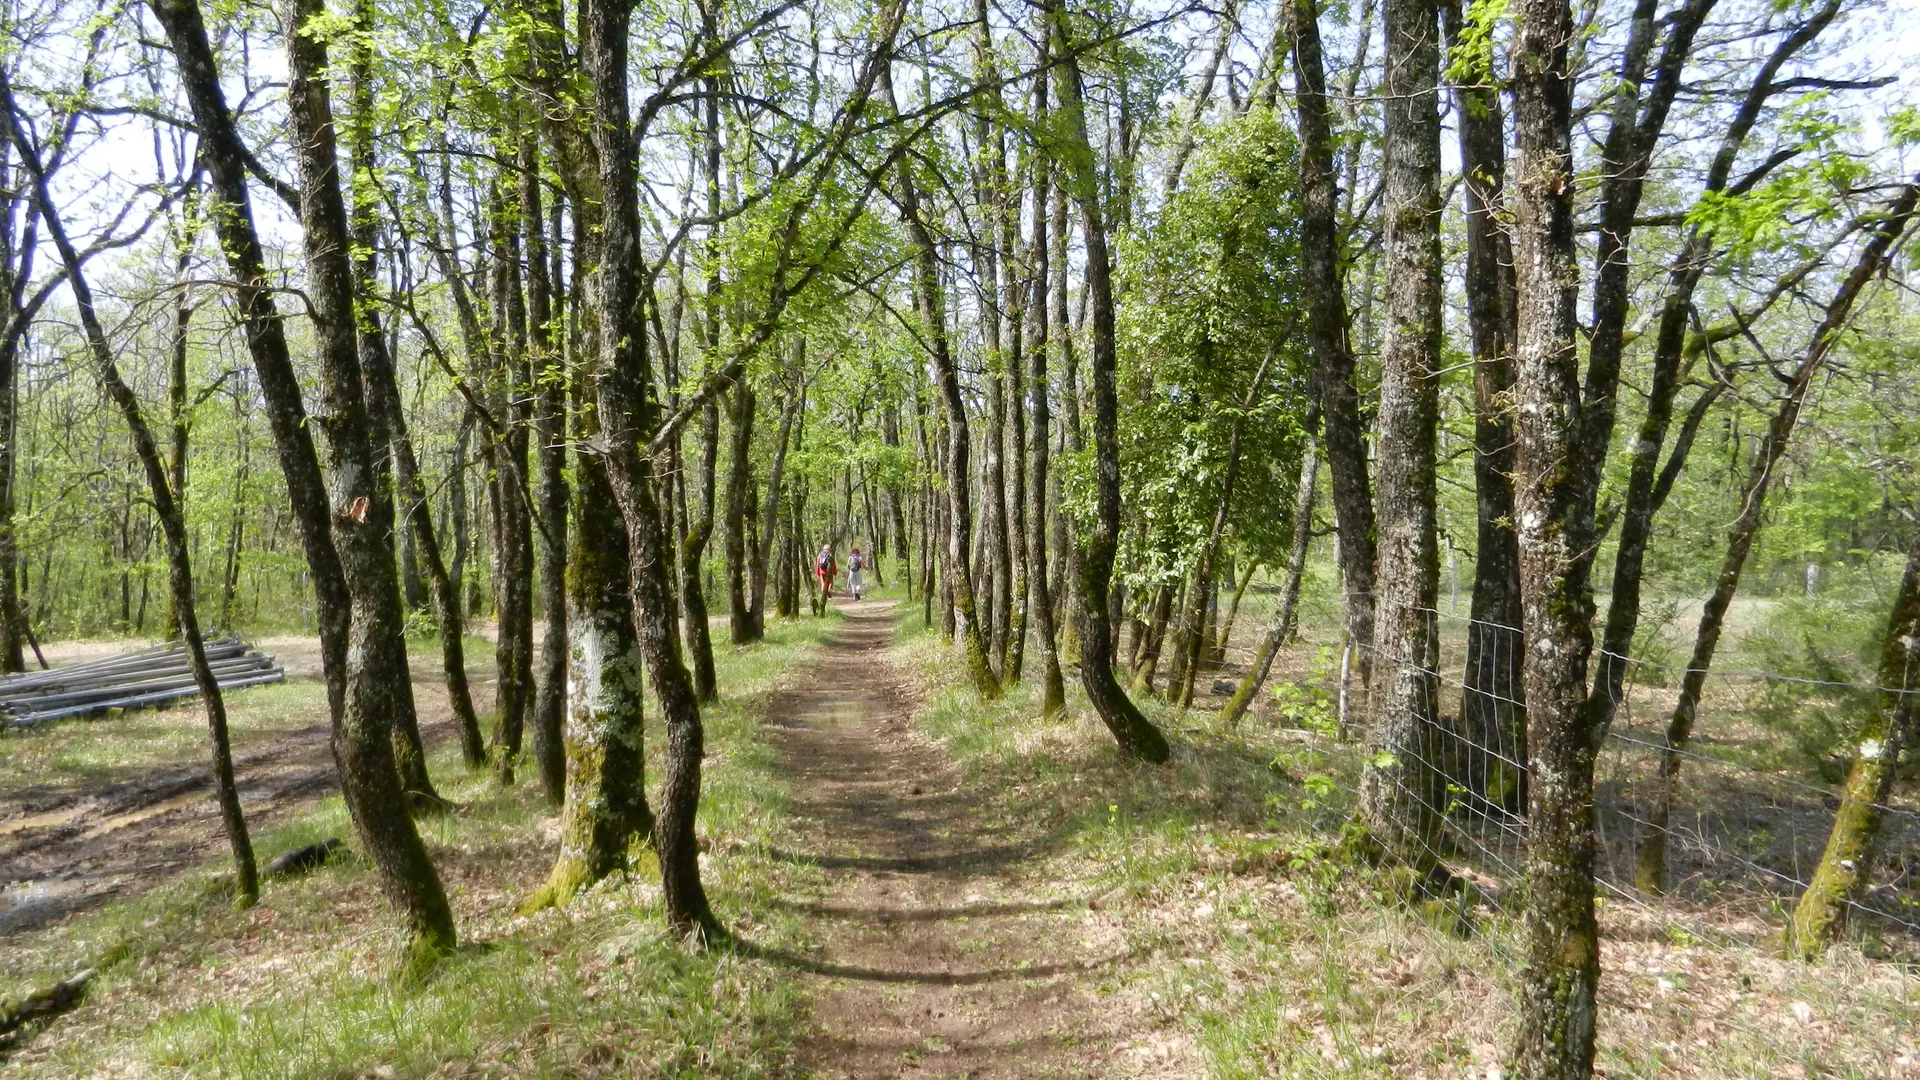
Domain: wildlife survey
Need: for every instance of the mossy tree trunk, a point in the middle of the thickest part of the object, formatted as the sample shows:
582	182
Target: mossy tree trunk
1402	793
1840	881
627	417
1554	1040
1135	734
360	683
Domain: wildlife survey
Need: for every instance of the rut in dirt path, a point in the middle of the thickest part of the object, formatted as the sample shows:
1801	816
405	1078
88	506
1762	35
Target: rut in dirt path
945	950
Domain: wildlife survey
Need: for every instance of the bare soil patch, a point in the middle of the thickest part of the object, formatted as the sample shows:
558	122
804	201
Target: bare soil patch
71	845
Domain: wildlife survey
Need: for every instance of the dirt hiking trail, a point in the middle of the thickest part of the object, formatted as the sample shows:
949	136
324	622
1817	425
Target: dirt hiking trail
945	951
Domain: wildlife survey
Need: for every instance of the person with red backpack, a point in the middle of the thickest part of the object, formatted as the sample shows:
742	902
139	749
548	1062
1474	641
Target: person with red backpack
825	569
856	562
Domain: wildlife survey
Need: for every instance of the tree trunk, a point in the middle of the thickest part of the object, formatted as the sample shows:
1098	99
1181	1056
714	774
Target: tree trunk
1840	881
740	614
1648	482
1136	735
384	402
549	392
1150	636
1558	984
359	680
776	476
164	490
1403	792
693	559
1634	129
957	567
606	798
462	541
513	527
1492	711
1053	693
1223	642
1327	332
1060	333
626	416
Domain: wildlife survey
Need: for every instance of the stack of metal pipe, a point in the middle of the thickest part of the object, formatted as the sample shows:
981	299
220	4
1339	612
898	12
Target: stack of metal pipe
155	676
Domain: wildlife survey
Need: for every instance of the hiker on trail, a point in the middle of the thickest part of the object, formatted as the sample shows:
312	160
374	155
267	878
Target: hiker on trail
825	568
856	562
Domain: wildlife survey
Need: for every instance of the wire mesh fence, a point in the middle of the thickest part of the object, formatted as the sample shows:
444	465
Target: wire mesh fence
1750	801
1716	837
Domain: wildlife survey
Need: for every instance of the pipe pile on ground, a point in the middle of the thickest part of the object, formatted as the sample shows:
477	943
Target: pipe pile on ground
156	676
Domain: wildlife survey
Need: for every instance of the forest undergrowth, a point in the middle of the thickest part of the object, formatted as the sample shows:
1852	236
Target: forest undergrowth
1281	957
1254	948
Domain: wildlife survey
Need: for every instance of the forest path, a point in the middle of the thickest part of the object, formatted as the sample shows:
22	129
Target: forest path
945	951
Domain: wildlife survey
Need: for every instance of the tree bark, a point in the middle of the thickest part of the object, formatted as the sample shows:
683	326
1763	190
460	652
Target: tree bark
990	192
1558	984
627	419
549	392
1492	710
1333	364
606	799
1060	333
16	263
1403	792
1053	692
506	447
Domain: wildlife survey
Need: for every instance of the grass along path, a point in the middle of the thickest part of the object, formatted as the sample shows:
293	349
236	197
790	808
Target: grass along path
944	947
1037	907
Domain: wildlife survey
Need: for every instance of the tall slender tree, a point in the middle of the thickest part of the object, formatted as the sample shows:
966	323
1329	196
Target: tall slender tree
337	528
1402	793
1558	986
1137	736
